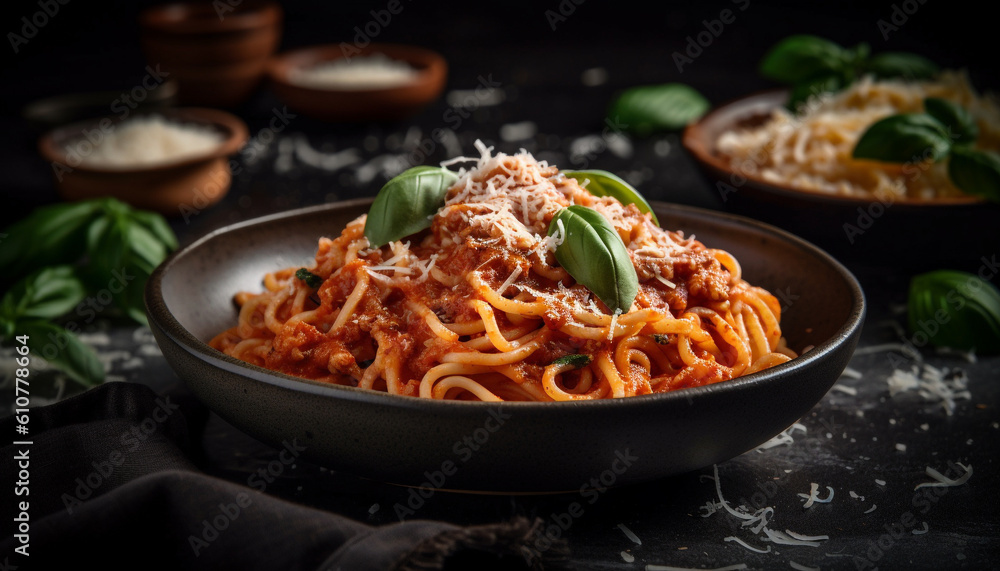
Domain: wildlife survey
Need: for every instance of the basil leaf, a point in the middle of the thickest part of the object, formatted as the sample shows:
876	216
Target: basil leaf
576	361
106	249
158	226
803	91
145	247
63	350
803	58
48	236
645	110
311	279
903	138
406	204
961	126
603	183
955	309
594	254
45	294
901	64
975	172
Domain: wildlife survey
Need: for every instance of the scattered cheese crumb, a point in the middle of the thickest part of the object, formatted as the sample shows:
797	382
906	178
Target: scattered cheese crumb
627	557
628	533
942	480
900	447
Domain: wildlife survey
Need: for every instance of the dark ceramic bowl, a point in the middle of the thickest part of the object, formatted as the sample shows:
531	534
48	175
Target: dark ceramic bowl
510	447
359	105
912	234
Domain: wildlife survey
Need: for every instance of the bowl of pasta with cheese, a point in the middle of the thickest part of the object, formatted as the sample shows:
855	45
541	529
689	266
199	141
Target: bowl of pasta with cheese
524	326
840	172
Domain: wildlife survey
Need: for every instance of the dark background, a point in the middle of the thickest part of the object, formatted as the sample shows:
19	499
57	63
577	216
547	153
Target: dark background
91	46
94	46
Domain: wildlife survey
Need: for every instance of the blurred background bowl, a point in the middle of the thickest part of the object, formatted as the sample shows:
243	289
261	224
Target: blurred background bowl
359	105
911	233
216	52
170	188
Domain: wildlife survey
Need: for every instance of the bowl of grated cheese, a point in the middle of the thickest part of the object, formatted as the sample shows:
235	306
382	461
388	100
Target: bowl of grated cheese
175	161
344	83
795	170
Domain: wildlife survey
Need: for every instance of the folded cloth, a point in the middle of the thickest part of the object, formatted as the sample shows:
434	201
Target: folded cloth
113	480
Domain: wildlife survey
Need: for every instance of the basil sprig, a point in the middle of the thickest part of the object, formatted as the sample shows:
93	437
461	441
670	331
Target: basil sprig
594	254
603	183
406	204
647	109
946	130
955	309
811	65
74	257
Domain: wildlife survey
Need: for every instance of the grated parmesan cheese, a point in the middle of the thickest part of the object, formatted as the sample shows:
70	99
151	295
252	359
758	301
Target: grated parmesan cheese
376	71
148	141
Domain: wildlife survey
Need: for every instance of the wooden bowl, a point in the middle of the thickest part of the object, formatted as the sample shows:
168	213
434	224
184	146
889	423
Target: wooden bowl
175	188
911	233
215	52
359	105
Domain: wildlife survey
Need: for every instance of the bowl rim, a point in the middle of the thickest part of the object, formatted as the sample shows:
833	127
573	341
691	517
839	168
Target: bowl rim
50	144
175	17
430	65
161	317
695	140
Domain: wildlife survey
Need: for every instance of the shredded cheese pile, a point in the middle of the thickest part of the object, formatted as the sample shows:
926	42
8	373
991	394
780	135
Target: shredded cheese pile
812	149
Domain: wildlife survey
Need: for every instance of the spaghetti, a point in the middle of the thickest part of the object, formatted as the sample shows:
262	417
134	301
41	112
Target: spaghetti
477	308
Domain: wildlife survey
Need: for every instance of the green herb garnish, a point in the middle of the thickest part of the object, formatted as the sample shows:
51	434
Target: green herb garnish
651	108
811	65
946	130
78	260
661	338
595	255
603	183
954	309
311	279
576	361
406	204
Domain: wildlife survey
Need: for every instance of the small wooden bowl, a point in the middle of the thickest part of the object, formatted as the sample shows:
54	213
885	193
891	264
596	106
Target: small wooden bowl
359	105
176	188
218	57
